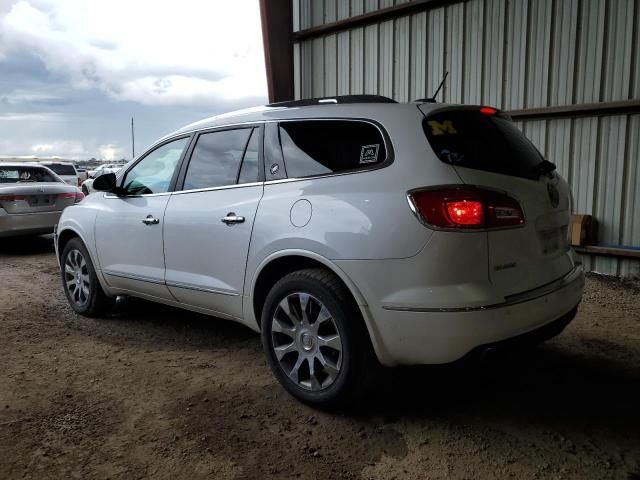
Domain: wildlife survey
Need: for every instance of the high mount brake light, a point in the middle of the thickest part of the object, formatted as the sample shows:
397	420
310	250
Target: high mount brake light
488	110
466	208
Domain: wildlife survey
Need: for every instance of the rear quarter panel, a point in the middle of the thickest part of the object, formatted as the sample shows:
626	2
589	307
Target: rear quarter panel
363	215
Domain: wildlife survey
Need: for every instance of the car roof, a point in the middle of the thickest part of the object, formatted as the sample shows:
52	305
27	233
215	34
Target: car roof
55	162
23	164
328	107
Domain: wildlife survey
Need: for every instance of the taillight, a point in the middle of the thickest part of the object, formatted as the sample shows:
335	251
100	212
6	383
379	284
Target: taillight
466	207
79	182
11	198
77	196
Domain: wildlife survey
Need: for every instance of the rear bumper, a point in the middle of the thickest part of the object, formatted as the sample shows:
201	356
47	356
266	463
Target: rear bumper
28	223
411	336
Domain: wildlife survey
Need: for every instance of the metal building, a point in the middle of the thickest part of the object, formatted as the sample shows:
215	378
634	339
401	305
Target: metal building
568	71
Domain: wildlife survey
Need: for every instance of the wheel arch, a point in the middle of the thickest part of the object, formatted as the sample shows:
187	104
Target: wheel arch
279	264
64	236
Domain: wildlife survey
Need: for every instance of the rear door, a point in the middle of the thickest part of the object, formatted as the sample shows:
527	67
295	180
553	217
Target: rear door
129	227
488	150
208	223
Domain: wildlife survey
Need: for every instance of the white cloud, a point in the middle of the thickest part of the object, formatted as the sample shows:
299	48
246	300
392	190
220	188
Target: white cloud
29	116
20	96
110	152
68	148
195	52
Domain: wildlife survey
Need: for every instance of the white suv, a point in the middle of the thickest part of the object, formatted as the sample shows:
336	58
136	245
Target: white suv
351	234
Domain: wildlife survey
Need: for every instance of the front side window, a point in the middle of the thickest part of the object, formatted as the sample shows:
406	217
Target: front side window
154	172
216	159
318	147
249	168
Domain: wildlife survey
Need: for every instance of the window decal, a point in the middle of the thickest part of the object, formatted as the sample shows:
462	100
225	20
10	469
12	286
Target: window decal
369	153
440	128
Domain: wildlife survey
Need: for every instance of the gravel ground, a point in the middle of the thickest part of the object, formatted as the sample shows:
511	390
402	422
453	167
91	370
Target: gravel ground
154	392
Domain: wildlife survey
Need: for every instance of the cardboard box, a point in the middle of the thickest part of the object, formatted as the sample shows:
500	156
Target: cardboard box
582	230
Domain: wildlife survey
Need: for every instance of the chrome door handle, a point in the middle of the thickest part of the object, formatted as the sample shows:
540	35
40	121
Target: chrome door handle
150	220
232	218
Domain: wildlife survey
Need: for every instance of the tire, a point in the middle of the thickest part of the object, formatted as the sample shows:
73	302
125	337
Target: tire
80	283
343	367
85	190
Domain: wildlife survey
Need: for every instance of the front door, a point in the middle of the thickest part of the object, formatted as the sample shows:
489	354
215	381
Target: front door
207	225
129	227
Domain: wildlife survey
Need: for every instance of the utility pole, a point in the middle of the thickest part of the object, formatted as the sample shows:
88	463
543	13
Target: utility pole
133	142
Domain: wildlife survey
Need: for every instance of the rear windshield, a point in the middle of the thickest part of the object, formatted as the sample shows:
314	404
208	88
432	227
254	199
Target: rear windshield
62	169
468	138
26	174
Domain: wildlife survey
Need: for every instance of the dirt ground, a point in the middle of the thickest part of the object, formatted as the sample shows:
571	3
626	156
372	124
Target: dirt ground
154	392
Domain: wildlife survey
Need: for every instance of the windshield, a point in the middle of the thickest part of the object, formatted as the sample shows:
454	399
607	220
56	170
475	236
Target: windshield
26	174
61	169
471	139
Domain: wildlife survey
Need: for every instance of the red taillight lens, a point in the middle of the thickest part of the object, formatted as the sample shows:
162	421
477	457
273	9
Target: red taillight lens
466	208
77	196
11	198
79	182
465	212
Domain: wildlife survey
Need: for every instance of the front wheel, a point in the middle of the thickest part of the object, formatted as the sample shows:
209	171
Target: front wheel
80	283
315	339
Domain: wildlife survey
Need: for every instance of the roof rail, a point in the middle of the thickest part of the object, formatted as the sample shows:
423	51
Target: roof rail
333	100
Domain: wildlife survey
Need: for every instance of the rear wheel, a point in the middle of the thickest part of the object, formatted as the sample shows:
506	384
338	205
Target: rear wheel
315	340
80	283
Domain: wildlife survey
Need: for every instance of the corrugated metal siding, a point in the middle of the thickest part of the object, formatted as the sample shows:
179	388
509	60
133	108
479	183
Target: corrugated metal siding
512	54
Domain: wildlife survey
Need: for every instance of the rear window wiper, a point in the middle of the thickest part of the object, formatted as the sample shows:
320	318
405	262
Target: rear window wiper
545	167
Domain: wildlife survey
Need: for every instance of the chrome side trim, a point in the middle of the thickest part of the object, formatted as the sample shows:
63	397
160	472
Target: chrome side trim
140	278
111	195
510	300
223	187
200	289
9	215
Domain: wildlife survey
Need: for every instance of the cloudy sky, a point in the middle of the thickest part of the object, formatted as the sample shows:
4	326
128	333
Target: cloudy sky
74	72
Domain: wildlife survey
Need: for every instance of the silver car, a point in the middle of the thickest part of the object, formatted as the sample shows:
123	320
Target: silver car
32	198
351	232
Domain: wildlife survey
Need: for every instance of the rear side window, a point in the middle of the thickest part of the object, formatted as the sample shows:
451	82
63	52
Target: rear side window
471	139
319	147
62	169
216	159
26	175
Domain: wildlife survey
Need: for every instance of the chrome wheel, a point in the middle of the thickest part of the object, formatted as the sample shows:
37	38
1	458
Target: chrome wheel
306	341
76	277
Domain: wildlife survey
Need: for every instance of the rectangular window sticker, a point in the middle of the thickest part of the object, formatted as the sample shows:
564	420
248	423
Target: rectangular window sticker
369	153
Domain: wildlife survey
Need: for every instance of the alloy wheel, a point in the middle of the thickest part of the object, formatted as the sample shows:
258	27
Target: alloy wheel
306	341
76	277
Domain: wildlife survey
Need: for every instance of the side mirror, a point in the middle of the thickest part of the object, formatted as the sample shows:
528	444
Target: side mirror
105	182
